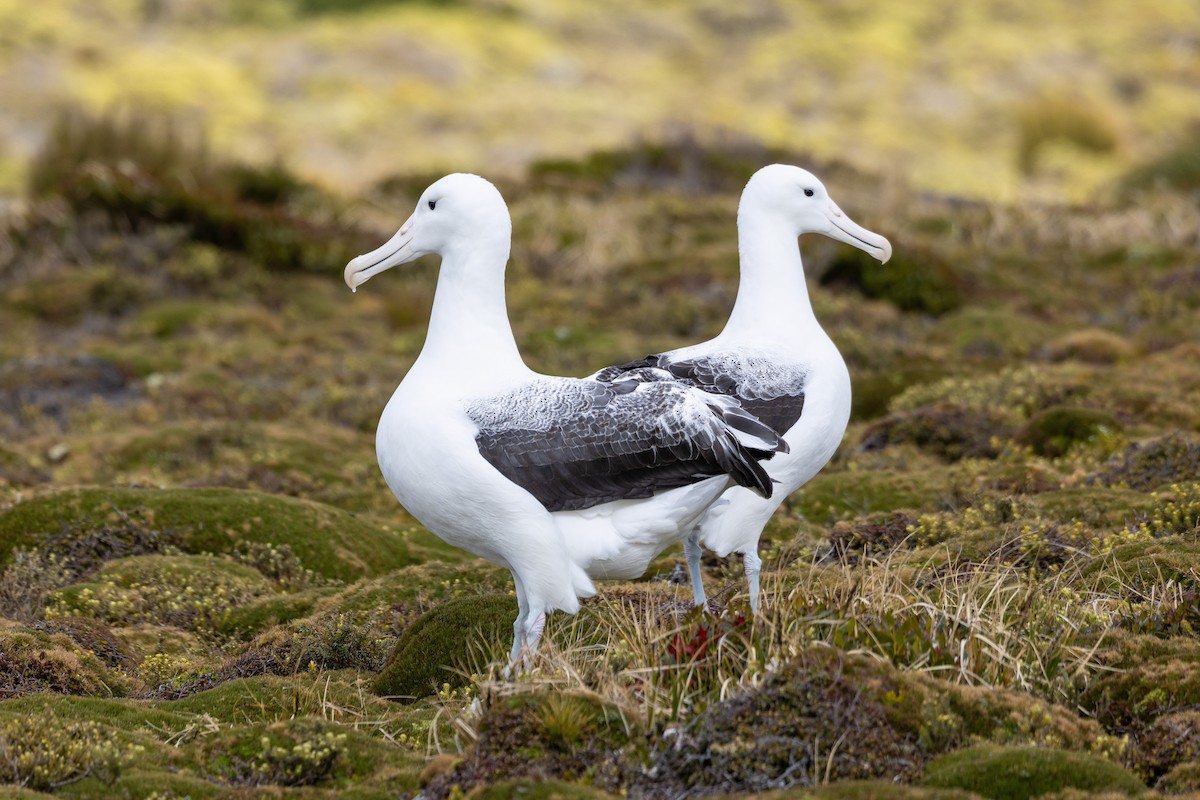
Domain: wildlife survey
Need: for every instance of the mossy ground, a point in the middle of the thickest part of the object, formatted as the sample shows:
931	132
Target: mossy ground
198	551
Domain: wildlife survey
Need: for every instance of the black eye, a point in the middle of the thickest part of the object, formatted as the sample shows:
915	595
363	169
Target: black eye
807	193
432	205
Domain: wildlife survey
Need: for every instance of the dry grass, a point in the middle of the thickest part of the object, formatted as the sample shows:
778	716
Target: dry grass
976	624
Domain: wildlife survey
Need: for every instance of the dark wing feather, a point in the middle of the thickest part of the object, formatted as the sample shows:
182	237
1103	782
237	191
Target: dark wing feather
574	443
768	390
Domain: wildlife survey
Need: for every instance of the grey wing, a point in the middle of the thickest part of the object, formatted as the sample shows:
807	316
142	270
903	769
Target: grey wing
577	443
771	391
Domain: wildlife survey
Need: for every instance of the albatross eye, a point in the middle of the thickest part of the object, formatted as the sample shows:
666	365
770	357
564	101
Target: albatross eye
432	204
807	193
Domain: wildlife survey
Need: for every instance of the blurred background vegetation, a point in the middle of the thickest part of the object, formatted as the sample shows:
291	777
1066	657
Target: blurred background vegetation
998	99
207	589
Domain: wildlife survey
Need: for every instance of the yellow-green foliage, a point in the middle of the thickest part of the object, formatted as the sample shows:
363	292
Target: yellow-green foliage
1061	119
188	591
298	763
45	753
162	669
1015	392
584	78
294	753
25	583
1177	511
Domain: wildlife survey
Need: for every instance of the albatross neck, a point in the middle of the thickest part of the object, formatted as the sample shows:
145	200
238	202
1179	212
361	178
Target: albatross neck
772	296
469	322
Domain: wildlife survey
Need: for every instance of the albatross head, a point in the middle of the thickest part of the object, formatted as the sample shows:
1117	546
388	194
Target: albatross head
457	211
801	201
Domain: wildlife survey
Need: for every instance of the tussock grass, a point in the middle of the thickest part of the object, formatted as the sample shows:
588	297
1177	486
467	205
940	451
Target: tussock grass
991	625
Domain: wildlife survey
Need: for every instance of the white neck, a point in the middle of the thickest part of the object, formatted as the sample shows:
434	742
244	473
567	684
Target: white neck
772	296
469	323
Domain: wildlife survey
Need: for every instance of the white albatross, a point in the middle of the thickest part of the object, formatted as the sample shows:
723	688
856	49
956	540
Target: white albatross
772	355
547	476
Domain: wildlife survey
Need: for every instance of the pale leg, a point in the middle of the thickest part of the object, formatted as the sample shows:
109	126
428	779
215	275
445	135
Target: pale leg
518	627
691	552
535	623
753	565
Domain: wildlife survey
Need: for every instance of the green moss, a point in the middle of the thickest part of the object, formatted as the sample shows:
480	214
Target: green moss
148	782
870	790
1145	562
1091	346
1056	430
444	640
948	431
247	619
540	790
1016	773
990	334
317	461
837	495
914	279
1176	168
415	589
1104	509
332	542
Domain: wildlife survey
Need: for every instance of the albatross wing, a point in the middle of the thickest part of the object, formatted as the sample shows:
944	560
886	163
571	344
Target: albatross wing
576	443
771	390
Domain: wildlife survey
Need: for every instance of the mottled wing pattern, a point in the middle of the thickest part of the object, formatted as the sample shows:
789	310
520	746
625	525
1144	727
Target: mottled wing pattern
576	443
767	389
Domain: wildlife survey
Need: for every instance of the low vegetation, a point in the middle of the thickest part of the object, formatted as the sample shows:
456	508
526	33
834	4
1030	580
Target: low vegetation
207	590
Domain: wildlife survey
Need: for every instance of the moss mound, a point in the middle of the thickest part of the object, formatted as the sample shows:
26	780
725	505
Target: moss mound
1172	740
771	737
887	723
540	790
914	279
334	543
1092	346
38	661
1181	779
945	430
1178	168
556	735
874	790
15	470
1145	466
442	640
1056	430
142	168
1145	677
325	640
192	592
1016	773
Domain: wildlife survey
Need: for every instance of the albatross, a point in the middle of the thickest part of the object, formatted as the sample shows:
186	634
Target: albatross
772	355
550	477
